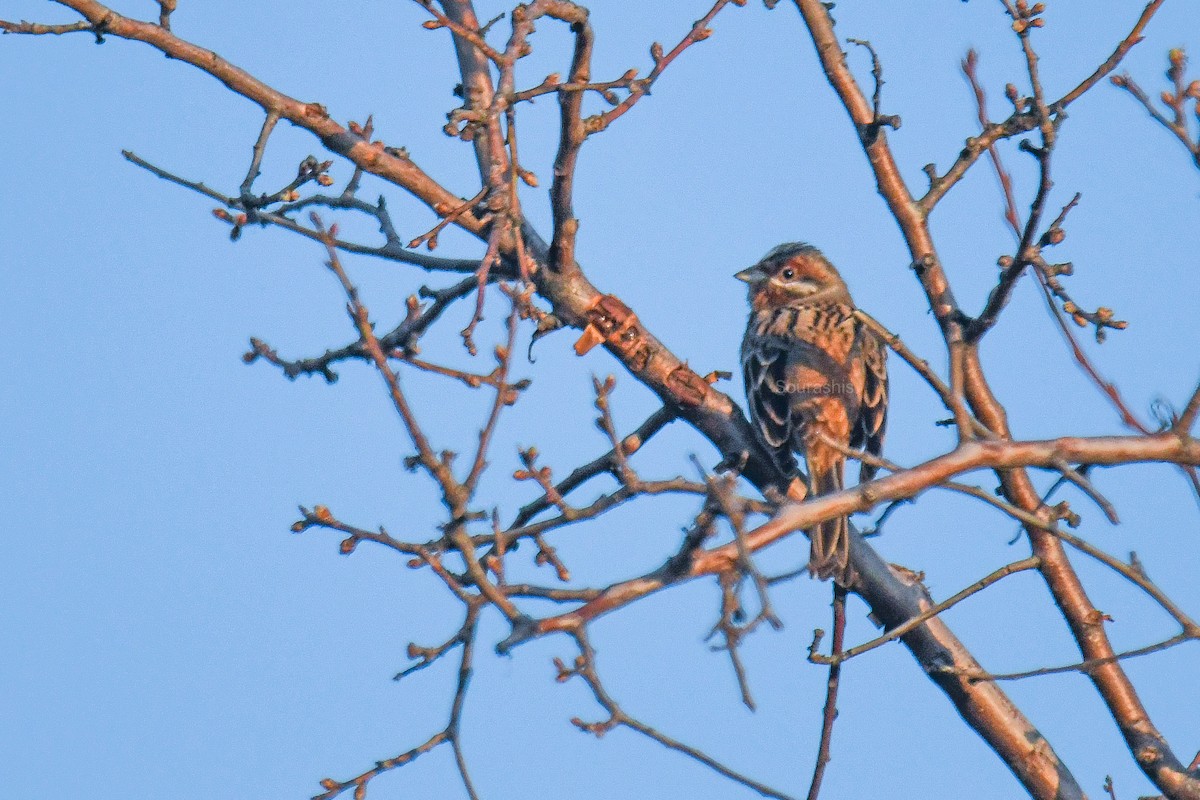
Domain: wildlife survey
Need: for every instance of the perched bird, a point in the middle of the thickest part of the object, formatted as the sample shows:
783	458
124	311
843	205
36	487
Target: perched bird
814	374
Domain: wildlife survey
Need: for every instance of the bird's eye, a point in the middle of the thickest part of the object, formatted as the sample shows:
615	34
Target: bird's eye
788	274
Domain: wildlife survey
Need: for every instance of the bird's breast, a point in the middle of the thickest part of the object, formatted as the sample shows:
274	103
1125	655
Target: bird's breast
830	327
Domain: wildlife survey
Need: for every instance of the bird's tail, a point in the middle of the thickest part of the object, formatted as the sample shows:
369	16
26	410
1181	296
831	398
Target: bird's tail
829	556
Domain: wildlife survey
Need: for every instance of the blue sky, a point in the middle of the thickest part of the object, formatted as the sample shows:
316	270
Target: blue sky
165	633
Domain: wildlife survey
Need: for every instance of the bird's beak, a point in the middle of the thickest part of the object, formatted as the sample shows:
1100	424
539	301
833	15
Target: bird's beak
753	274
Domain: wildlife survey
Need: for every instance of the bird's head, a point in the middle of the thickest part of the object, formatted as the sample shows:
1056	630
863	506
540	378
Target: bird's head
793	273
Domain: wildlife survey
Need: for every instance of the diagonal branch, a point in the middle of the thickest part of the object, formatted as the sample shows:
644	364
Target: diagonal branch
1118	55
453	492
599	466
895	633
403	337
698	33
391	250
1003	456
387	163
584	667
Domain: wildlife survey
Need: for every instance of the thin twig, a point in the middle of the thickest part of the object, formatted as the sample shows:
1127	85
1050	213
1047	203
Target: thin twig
1111	63
1183	424
953	402
699	32
601	465
1082	666
391	250
969	68
504	396
260	145
585	668
1033	562
830	713
438	468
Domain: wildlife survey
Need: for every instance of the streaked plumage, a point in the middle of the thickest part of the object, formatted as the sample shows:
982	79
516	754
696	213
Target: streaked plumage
812	369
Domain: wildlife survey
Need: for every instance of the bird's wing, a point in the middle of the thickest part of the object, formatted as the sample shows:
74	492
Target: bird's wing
871	424
764	366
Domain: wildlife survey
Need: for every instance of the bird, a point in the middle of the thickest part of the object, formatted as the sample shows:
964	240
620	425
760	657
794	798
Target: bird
814	375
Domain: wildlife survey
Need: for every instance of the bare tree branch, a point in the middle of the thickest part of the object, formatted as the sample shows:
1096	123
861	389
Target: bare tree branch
829	714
